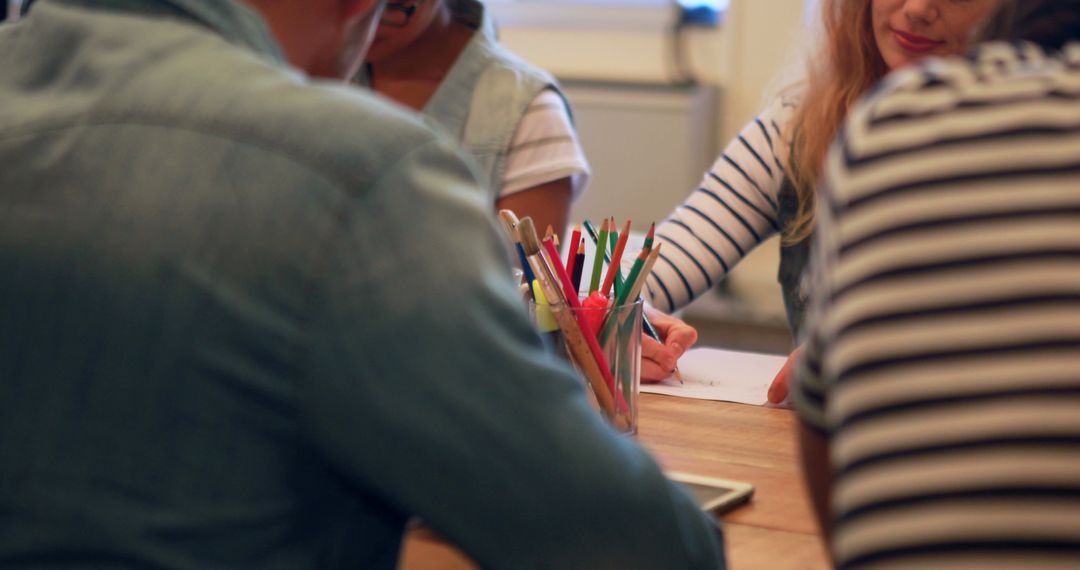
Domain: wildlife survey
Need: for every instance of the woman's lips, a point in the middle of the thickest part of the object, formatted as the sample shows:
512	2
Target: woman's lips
915	43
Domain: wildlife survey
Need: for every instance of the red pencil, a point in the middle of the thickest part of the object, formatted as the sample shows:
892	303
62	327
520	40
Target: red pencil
590	338
571	250
560	273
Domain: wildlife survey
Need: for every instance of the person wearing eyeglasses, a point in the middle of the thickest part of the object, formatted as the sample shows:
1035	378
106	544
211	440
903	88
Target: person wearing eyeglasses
442	58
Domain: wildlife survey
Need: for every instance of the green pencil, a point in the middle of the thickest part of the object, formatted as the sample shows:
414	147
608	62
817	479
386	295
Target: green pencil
650	236
613	235
598	260
632	277
611	323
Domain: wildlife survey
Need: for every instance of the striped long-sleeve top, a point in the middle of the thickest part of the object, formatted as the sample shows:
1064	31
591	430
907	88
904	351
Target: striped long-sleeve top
735	208
944	361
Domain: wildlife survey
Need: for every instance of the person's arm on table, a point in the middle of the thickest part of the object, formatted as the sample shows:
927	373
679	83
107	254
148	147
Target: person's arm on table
430	388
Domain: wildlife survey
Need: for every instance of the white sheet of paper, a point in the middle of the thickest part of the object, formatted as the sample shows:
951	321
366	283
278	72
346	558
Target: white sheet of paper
718	374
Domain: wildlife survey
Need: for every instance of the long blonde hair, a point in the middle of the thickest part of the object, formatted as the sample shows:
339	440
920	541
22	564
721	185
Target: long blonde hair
844	67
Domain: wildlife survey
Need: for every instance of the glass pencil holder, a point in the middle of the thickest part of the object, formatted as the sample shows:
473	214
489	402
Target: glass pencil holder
613	379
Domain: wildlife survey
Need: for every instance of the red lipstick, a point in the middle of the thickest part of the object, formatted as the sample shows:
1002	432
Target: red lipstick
915	43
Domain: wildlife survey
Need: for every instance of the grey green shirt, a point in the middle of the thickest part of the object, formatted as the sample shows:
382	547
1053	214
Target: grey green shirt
238	331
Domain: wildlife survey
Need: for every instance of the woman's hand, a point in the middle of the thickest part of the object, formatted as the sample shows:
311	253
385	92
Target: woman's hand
658	359
778	390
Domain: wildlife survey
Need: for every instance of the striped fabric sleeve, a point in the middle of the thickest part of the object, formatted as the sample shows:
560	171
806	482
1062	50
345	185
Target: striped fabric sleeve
545	148
947	364
733	210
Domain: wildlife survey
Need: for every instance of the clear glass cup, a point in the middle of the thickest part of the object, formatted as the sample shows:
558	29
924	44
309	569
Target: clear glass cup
618	335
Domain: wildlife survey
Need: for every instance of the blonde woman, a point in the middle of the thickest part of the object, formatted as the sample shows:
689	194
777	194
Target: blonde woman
765	182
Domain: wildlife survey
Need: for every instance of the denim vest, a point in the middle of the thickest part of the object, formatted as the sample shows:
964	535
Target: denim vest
484	95
794	272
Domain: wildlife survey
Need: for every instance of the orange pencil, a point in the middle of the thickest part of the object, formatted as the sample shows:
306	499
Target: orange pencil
616	257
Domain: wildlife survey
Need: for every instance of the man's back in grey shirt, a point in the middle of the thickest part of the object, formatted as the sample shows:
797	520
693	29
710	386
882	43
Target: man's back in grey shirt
251	321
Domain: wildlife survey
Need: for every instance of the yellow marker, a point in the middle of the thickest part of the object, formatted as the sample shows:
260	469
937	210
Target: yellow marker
545	321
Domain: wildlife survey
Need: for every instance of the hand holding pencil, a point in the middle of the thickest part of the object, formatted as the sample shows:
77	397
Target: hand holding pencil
659	359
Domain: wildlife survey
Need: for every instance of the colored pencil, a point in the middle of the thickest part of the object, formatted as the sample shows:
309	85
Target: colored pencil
583	347
613	233
635	292
579	264
594	345
631	277
591	231
616	258
598	259
624	295
649	237
633	289
571	250
527	272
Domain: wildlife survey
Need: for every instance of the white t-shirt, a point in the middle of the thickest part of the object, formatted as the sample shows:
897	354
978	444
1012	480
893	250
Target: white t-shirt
545	148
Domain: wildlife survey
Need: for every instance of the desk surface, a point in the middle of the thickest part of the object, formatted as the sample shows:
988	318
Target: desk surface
775	531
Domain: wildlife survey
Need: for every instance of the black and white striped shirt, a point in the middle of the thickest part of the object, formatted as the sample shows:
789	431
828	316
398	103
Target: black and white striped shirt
735	208
944	365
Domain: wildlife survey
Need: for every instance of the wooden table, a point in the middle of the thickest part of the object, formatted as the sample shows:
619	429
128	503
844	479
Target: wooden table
775	531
